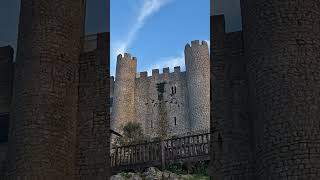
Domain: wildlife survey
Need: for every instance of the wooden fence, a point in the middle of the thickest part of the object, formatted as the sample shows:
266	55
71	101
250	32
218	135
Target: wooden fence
161	153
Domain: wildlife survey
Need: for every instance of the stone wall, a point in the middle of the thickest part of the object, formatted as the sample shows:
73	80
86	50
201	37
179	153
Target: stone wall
93	117
6	78
175	104
230	125
42	134
3	158
282	45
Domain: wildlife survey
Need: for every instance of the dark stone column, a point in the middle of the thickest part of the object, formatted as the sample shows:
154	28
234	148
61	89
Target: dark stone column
42	133
282	46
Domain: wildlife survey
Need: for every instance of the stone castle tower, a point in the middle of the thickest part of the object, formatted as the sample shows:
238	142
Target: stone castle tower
59	123
265	90
124	108
167	104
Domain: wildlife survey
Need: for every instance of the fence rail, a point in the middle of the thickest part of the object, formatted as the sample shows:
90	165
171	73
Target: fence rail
161	153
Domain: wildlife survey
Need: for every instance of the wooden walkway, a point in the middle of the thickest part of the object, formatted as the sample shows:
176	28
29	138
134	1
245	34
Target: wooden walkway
161	153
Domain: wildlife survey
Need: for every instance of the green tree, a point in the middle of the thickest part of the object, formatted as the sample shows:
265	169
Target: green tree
132	134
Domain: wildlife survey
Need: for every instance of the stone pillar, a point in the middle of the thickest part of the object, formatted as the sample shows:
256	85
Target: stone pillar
42	133
93	114
282	45
198	82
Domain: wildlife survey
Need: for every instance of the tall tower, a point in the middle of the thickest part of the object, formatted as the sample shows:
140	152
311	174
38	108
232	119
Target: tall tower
198	83
123	101
282	45
42	133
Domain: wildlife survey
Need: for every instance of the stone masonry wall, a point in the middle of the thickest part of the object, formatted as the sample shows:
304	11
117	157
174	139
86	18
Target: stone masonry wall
282	45
3	158
174	97
42	135
6	78
230	121
93	115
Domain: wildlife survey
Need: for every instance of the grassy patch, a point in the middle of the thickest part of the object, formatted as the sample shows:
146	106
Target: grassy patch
199	177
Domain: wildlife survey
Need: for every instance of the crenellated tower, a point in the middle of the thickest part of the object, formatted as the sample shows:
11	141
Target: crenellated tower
198	84
123	101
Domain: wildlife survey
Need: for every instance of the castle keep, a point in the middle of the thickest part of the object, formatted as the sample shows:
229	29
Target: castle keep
168	104
265	91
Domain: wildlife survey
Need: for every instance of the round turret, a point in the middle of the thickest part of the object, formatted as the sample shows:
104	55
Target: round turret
282	45
198	82
123	101
42	137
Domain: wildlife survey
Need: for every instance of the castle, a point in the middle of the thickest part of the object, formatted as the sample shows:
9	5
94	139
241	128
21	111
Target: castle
168	104
265	91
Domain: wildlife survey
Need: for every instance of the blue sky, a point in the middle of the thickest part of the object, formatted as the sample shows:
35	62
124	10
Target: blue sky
159	40
96	19
156	31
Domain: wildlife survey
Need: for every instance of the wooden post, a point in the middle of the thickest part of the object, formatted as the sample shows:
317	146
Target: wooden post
163	157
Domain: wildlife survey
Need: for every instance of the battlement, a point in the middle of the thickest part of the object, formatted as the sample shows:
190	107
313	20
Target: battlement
166	70
126	56
196	44
156	73
177	69
143	74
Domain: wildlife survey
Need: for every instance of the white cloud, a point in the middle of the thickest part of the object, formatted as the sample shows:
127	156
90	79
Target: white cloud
170	62
148	8
208	42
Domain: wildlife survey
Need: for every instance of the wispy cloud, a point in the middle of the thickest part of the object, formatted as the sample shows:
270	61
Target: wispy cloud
148	8
170	62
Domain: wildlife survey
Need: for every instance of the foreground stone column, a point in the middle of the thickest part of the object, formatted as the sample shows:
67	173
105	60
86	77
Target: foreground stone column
282	45
42	133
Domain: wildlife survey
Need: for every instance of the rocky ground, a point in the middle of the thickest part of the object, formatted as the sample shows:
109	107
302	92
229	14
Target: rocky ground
155	174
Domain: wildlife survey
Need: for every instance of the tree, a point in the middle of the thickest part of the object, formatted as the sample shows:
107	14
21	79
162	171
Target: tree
132	134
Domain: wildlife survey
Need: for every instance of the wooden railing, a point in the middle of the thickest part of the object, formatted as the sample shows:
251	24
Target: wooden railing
161	153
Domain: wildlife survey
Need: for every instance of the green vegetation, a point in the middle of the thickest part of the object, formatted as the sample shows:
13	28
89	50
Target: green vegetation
132	134
199	177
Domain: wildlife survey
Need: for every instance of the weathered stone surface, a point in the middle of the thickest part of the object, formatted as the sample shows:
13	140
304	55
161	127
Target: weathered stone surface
265	93
282	45
93	118
43	126
6	78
